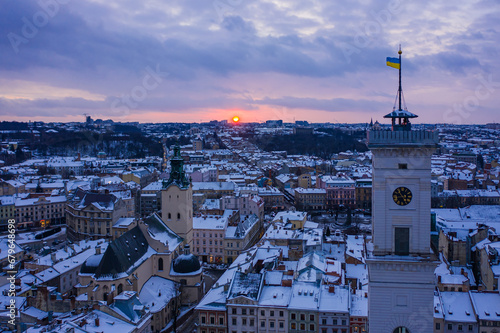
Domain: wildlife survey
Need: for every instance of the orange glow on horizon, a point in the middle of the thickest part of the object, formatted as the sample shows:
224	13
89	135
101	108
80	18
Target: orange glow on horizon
236	119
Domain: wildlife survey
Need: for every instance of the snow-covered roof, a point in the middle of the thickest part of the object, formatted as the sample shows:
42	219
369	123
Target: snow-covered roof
305	296
334	299
290	216
216	186
157	292
359	304
487	305
215	299
210	222
457	307
124	222
275	296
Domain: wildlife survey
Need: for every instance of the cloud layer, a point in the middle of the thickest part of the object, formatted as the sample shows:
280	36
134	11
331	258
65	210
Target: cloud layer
193	60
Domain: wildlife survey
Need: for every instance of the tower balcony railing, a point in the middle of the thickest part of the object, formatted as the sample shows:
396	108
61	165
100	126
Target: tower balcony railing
376	138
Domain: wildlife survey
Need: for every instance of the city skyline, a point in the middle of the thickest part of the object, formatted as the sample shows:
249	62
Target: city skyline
195	62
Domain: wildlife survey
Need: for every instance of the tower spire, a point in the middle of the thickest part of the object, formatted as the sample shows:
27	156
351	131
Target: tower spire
177	174
402	115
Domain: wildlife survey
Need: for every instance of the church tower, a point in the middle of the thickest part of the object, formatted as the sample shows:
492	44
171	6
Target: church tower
401	267
177	200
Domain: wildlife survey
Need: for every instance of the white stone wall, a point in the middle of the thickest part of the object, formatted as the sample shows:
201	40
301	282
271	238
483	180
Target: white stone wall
401	288
386	213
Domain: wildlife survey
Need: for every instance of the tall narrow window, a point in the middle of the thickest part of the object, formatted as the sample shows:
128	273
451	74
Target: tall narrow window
402	241
160	264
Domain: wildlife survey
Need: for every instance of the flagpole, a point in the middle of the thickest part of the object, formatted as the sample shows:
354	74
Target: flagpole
400	89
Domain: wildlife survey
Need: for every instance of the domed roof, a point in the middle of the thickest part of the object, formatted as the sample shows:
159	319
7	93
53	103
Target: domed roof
186	263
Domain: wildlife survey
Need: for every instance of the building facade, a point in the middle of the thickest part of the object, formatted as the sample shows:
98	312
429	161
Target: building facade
93	215
363	194
40	211
401	269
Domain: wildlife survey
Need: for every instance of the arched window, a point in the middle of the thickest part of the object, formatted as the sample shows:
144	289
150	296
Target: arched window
160	264
401	329
120	288
169	216
178	216
105	293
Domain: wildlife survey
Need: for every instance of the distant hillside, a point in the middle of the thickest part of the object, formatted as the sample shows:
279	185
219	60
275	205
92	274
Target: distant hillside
321	145
122	145
13	126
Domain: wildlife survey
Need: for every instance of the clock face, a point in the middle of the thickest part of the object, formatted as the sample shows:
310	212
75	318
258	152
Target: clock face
402	196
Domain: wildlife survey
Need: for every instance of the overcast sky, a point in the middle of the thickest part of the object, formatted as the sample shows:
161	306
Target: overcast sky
199	60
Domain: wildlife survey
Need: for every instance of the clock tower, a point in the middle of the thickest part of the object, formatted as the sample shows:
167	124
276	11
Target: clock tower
177	199
401	267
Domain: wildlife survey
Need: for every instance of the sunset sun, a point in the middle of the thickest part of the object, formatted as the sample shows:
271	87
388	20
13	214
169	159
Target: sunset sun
236	119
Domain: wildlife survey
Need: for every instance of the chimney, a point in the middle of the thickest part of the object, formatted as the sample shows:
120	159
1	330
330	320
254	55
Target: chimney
331	289
97	322
97	249
53	257
439	278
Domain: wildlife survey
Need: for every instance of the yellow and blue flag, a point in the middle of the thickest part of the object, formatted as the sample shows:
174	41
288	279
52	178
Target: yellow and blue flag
394	62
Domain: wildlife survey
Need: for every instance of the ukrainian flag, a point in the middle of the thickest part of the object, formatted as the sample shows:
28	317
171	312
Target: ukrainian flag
394	62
